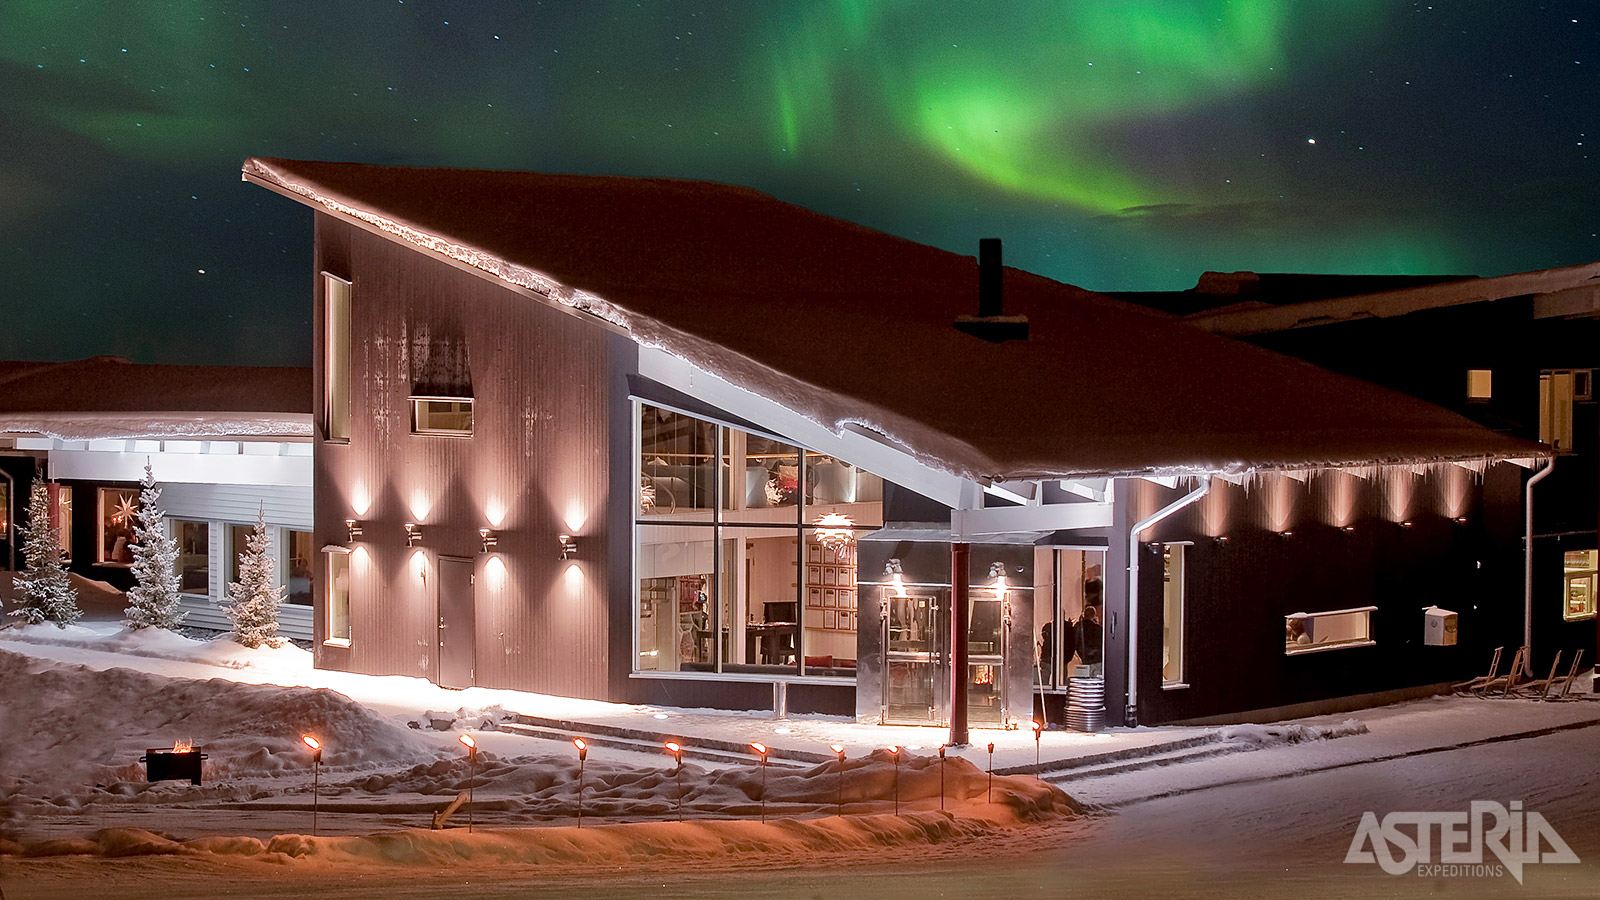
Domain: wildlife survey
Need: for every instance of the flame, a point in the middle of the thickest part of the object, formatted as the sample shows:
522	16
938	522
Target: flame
468	742
182	746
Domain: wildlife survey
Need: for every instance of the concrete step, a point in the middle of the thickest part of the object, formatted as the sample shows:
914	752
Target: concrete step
1171	758
654	740
691	751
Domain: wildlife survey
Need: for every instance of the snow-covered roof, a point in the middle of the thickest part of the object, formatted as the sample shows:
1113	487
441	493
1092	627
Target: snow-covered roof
110	398
1257	317
853	328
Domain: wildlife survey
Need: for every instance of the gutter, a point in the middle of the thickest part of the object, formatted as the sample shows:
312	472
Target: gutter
1133	588
1527	558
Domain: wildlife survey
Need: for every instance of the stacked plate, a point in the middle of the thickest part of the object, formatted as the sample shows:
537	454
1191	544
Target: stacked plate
1086	704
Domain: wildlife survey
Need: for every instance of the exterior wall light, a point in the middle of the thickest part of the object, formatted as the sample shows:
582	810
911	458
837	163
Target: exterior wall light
1221	540
413	534
569	546
489	538
1406	524
352	530
1347	528
897	578
1286	534
1460	520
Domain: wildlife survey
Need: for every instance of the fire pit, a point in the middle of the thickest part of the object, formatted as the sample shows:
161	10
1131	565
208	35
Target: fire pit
173	763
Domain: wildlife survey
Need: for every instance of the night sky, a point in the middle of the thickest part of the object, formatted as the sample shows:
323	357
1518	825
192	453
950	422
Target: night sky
1115	144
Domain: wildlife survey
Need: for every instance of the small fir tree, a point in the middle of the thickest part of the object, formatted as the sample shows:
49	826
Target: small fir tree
44	592
153	600
254	599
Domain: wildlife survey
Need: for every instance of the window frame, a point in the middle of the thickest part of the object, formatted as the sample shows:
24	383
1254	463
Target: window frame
1304	649
1182	629
100	527
1590	572
416	402
338	312
335	557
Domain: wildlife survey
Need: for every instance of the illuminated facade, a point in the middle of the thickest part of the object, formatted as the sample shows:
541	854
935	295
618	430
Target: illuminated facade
684	444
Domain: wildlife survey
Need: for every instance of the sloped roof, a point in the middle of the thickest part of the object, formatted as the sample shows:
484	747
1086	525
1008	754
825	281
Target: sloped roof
852	327
107	397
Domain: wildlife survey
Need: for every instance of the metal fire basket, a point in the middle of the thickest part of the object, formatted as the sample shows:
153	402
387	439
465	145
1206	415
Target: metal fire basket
167	764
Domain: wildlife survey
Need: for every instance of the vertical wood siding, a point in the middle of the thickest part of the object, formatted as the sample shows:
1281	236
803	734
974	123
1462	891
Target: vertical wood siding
539	456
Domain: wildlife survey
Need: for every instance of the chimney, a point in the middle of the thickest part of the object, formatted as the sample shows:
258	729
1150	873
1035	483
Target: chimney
991	323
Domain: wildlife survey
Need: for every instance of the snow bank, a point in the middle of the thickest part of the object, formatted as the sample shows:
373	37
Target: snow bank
1292	733
158	643
71	726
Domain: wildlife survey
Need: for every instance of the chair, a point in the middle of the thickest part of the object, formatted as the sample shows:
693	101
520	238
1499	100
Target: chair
1506	682
1539	688
1572	675
1473	684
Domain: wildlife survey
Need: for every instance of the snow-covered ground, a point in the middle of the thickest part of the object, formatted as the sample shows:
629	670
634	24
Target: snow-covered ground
82	704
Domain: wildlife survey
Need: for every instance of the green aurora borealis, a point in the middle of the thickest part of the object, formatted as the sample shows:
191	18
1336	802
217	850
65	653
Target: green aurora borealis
1117	144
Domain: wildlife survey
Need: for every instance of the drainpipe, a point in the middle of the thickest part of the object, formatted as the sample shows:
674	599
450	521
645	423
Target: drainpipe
1527	560
1133	588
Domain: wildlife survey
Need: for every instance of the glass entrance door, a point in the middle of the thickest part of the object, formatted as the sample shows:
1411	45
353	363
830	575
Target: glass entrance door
986	640
913	659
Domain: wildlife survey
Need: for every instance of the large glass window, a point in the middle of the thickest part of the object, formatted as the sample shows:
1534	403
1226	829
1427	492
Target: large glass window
336	295
118	508
1579	568
297	550
194	555
745	550
1068	583
1172	613
338	598
61	511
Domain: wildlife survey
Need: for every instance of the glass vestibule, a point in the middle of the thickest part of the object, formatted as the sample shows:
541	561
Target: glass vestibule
734	576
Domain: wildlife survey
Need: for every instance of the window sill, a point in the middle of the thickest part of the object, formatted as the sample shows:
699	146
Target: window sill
1321	648
1176	686
337	642
342	441
447	434
759	679
1590	617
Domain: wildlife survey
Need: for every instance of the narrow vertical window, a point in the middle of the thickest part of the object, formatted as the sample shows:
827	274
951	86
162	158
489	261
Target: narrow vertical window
1555	410
336	357
194	555
338	598
1172	608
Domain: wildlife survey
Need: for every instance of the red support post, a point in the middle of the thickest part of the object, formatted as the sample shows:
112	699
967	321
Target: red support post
959	603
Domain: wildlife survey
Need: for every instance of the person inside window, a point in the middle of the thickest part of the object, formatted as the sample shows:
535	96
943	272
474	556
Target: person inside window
1090	635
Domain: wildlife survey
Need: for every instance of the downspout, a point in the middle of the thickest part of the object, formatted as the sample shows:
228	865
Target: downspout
1133	588
1527	560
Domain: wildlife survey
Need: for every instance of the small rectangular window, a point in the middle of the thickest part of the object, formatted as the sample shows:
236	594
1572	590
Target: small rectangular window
1480	385
1334	630
336	357
1578	578
338	598
194	555
297	554
118	509
238	543
441	415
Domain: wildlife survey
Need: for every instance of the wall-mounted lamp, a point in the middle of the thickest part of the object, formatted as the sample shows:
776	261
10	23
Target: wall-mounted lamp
413	534
569	546
1153	546
489	538
352	530
1347	528
1286	534
1406	524
897	578
1221	540
1460	520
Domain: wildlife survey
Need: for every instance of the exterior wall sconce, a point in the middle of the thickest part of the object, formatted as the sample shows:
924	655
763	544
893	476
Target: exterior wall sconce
1153	546
489	538
413	534
352	530
1460	520
1221	540
1406	524
1286	534
1347	528
569	546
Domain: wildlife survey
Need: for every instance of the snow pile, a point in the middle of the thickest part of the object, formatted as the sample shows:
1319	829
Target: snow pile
158	643
69	727
1290	733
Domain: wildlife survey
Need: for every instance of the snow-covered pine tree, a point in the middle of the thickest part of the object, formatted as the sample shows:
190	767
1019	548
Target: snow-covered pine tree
153	599
44	592
254	599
